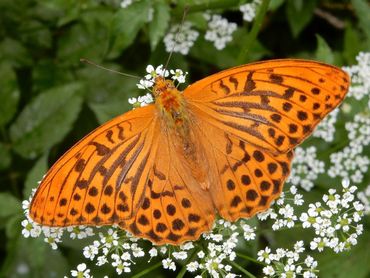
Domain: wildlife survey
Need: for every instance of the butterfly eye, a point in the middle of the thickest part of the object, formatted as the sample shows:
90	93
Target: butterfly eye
156	92
170	84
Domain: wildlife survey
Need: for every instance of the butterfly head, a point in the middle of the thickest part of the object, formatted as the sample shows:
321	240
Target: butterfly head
162	85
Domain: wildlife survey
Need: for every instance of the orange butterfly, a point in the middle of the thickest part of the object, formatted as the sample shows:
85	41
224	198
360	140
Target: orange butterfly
222	146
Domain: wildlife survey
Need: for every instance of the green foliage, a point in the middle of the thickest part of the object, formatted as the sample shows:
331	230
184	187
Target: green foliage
299	13
49	100
323	51
46	120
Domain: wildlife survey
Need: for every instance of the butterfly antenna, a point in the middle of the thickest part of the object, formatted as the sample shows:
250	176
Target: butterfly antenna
186	9
83	60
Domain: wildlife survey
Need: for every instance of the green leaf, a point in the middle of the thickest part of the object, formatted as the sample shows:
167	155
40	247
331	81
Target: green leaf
13	227
158	26
323	51
9	94
5	157
13	52
352	44
34	253
35	175
362	9
35	34
9	205
275	4
299	14
108	93
126	24
46	120
86	39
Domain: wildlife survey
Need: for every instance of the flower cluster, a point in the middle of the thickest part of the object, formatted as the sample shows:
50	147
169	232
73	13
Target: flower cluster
360	77
287	263
359	131
249	10
282	212
349	163
180	38
364	197
326	128
336	220
305	168
116	247
219	30
147	83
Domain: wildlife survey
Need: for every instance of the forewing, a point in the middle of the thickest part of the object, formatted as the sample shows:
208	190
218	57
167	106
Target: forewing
100	180
273	105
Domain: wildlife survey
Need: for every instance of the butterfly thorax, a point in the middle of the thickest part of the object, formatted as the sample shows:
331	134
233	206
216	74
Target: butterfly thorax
171	106
170	103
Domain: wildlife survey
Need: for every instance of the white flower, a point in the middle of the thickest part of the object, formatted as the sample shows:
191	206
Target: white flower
145	100
249	10
155	72
132	100
318	243
349	163
219	31
178	75
326	128
193	266
82	271
91	251
298	247
180	38
153	252
360	76
143	84
79	232
180	255
269	213
31	229
101	260
249	233
137	251
187	246
168	264
125	3
264	255
201	254
305	168
269	270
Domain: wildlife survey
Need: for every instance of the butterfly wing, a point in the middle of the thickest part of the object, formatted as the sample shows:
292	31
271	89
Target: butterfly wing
175	208
273	105
101	180
249	178
251	117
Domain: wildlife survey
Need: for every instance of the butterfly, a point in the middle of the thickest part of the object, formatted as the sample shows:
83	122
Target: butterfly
222	146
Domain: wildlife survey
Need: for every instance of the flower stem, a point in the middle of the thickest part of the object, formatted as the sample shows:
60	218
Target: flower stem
207	5
147	270
251	37
249	259
247	273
